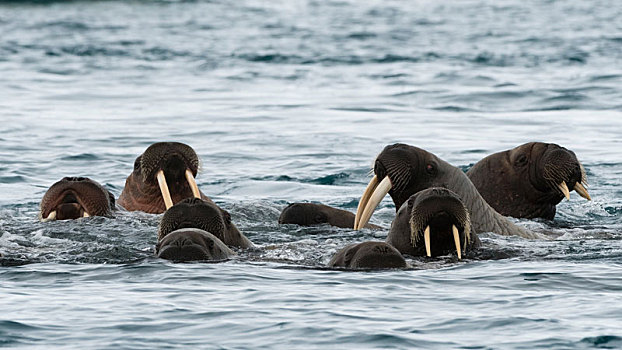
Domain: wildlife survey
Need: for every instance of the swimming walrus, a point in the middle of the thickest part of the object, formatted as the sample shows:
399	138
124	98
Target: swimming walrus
204	215
311	214
433	222
75	197
530	180
192	244
163	175
402	170
368	255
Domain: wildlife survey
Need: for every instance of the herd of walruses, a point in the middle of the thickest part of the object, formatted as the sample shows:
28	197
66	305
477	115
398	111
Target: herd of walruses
440	208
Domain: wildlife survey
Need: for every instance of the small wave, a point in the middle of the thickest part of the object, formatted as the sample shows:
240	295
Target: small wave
604	341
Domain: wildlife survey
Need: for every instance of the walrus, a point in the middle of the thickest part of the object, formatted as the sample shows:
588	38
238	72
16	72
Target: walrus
163	175
204	215
530	180
402	170
192	244
368	255
437	218
75	197
311	214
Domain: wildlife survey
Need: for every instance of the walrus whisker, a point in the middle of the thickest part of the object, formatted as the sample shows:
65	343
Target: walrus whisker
166	195
193	184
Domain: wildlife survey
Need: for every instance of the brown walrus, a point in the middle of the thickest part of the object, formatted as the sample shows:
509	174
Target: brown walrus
204	215
163	175
192	244
402	170
75	197
311	214
433	222
530	180
368	255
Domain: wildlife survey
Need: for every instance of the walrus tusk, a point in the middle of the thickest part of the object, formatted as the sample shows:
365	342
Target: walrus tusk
164	189
368	191
85	215
193	184
582	191
564	188
51	216
376	197
454	229
426	240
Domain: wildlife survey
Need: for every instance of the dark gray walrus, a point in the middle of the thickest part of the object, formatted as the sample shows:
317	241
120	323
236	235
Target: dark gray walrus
311	214
75	197
163	175
368	255
433	222
192	244
204	215
530	180
402	170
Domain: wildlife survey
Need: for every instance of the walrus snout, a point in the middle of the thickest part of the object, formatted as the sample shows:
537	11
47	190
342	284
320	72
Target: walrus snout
562	171
75	197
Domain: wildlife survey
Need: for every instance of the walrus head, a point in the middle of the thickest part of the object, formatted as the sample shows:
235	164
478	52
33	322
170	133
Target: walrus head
400	170
191	244
75	197
529	180
433	222
162	176
204	215
368	255
195	213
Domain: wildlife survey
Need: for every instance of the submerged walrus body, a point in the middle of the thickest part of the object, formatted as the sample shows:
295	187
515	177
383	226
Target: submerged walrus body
402	170
530	180
311	214
76	197
163	175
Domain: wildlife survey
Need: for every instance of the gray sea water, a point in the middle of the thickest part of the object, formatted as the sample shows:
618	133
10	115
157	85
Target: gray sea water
291	101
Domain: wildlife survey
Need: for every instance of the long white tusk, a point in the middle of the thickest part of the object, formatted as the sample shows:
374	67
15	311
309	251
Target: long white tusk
368	191
426	240
381	190
164	189
582	191
454	229
564	188
85	215
193	184
51	216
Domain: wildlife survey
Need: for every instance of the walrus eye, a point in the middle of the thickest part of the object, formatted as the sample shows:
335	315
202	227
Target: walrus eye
430	169
521	160
320	218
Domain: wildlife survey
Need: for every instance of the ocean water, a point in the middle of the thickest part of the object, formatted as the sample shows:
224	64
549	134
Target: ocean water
290	101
